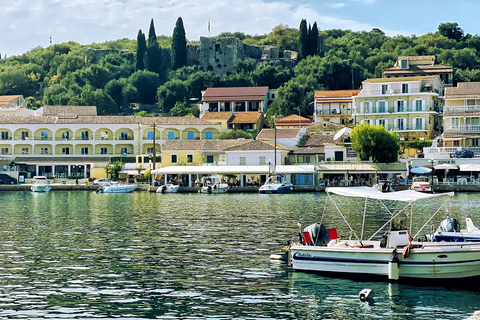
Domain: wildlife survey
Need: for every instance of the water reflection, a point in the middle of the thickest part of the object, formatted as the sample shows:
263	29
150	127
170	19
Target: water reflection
86	255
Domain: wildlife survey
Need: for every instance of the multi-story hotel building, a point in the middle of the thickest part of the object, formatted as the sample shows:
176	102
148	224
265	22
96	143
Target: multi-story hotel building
63	141
409	106
334	105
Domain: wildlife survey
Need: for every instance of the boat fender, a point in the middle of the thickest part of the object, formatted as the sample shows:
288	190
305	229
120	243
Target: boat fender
366	294
393	267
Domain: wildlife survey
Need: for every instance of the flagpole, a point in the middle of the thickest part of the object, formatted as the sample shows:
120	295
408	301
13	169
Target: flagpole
209	28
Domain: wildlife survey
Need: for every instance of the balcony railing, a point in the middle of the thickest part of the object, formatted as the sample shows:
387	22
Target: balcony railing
321	112
405	128
411	109
398	91
466	128
449	150
461	109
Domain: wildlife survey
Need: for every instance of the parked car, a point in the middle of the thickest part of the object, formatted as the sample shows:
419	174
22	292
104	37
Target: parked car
6	179
102	181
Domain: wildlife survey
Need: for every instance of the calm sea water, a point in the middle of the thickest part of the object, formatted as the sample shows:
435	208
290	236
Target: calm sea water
81	255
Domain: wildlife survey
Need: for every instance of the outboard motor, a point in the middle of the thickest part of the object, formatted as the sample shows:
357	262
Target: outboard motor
164	187
316	234
449	225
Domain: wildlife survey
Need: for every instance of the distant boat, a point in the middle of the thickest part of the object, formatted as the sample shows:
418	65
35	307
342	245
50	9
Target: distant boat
116	188
40	184
214	184
274	185
421	184
168	188
449	231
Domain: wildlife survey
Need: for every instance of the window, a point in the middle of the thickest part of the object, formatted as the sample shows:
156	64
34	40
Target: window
475	142
66	150
382	122
456	143
418	105
400	124
123	135
44	135
150	150
262	160
217	47
367	121
170	135
384	89
104	135
25	151
85	135
4	135
418	123
103	150
405	88
84	150
210	159
150	135
243	161
65	135
455	121
189	158
381	107
307	159
43	150
124	151
24	135
4	151
190	135
173	158
208	135
475	121
400	106
404	64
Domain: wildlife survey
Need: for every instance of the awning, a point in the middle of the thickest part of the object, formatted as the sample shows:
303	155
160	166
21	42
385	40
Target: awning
130	172
261	169
373	193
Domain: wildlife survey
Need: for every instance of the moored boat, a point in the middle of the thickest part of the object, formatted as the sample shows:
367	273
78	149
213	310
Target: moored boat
421	184
40	184
275	185
449	231
395	256
168	188
116	188
214	184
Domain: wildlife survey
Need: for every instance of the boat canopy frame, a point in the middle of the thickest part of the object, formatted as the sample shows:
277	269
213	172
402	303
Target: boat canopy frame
407	196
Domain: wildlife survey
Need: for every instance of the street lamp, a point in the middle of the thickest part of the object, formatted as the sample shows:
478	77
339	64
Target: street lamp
269	162
432	163
150	166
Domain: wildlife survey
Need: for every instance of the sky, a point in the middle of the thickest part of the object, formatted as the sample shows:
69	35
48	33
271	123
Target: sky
27	24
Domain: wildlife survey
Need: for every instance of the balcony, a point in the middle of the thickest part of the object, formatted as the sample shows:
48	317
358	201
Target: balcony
392	110
333	112
471	128
461	109
449	150
376	92
406	128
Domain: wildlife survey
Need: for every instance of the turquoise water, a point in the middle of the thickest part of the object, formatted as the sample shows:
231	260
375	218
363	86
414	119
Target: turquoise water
82	255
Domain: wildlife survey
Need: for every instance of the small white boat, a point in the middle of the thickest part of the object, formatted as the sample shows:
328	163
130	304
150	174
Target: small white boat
384	186
40	184
395	256
214	184
168	188
116	188
421	184
275	185
449	231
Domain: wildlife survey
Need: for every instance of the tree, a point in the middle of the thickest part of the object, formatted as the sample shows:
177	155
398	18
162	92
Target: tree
146	83
303	40
313	40
375	142
235	134
451	30
141	50
170	93
179	45
113	169
154	53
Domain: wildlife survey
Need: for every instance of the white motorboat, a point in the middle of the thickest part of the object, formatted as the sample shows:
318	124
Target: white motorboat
168	188
449	230
214	184
421	184
40	184
275	185
395	256
116	188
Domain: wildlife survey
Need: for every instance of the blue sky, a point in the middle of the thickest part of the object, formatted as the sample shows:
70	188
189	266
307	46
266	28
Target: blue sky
26	24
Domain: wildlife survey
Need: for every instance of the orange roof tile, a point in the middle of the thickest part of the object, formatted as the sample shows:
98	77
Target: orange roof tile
246	117
281	133
8	98
234	94
336	93
293	119
217	115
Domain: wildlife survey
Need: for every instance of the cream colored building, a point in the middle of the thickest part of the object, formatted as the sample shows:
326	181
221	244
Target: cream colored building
408	105
334	106
66	140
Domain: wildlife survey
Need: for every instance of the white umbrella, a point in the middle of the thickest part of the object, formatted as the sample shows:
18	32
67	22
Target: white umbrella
445	166
421	170
470	167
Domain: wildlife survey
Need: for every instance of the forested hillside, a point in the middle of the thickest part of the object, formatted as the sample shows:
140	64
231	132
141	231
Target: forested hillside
121	81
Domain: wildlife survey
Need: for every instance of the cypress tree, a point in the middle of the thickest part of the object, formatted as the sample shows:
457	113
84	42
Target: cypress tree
154	54
313	37
303	40
179	45
141	49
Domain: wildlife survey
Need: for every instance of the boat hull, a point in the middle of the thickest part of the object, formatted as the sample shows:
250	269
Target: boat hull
282	189
40	188
428	263
117	189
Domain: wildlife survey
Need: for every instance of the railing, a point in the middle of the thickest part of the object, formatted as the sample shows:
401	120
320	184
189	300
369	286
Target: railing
449	150
463	109
398	91
321	112
466	128
409	109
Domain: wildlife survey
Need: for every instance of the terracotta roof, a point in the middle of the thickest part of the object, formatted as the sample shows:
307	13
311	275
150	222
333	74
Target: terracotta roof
417	58
246	117
293	119
103	120
257	145
419	69
400	79
309	150
336	93
67	111
335	101
318	140
463	90
217	115
267	134
205	145
8	98
235	94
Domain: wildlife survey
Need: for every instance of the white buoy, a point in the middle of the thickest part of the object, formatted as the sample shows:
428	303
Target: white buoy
366	294
393	270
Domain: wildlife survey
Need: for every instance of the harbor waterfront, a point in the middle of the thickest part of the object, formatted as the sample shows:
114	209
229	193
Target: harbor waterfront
143	255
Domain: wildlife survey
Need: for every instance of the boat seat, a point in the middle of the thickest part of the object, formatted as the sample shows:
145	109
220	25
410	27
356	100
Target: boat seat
308	239
471	227
332	233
